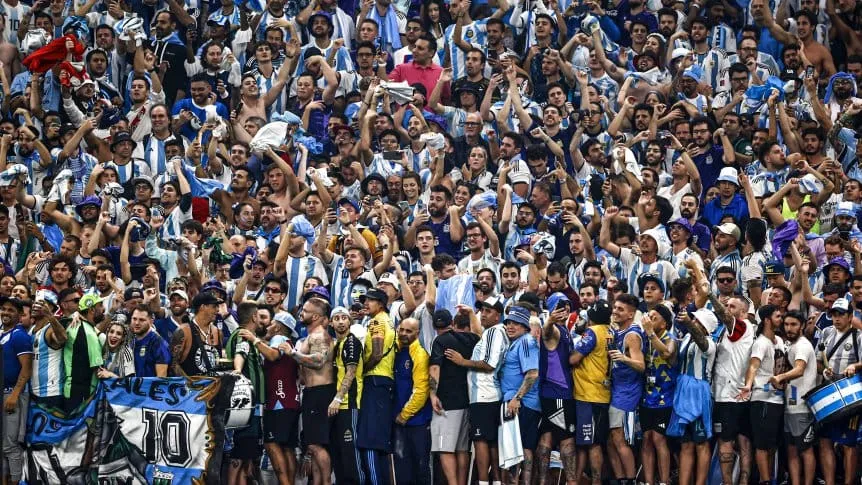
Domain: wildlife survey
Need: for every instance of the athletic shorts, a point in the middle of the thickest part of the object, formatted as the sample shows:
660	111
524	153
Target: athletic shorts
654	419
695	432
592	423
281	426
799	430
484	421
247	443
316	424
730	419
843	431
528	421
768	416
449	431
559	417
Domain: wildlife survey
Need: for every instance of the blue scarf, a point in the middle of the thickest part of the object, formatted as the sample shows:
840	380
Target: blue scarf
174	38
388	25
838	75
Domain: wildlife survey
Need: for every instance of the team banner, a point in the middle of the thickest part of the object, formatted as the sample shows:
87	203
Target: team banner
160	431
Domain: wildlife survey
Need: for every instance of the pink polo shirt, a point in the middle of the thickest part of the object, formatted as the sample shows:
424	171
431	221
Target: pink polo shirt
415	73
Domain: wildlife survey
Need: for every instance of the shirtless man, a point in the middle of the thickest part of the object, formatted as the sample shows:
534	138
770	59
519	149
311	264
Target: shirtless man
314	355
811	51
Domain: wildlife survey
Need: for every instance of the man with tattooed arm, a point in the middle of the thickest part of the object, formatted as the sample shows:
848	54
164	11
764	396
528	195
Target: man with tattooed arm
314	356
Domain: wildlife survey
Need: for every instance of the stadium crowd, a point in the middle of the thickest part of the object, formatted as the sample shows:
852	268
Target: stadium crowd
444	239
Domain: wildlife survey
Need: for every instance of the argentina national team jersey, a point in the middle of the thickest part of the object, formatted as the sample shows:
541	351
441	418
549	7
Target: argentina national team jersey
485	386
48	369
342	285
297	271
473	33
13	17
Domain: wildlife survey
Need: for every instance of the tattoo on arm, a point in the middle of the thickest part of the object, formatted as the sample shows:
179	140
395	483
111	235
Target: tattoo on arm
376	353
698	336
177	343
317	356
347	381
529	379
721	312
432	385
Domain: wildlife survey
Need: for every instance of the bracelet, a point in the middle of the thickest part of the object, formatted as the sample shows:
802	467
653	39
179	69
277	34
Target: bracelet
338	399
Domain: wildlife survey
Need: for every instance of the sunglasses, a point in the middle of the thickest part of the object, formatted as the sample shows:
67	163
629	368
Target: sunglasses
725	280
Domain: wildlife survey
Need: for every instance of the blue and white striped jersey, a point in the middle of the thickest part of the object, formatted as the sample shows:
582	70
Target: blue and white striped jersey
473	33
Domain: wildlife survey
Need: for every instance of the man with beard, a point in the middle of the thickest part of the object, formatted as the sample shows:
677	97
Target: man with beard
688	83
294	262
311	106
178	306
247	361
190	115
263	86
414	30
240	188
838	356
709	158
525	225
812	146
17	346
709	59
322	29
29	151
478	233
49	337
770	170
651	244
169	48
250	285
210	60
350	265
798	381
733	100
97	68
152	357
806	26
444	221
82	354
314	355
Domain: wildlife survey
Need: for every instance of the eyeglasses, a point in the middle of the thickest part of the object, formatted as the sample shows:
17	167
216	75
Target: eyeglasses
472	123
474	236
726	280
272	289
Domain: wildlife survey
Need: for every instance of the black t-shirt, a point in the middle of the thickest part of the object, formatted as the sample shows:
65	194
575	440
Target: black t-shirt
452	388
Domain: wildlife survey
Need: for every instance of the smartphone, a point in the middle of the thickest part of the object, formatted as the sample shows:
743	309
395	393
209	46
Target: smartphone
581	9
809	72
663	135
393	155
404	206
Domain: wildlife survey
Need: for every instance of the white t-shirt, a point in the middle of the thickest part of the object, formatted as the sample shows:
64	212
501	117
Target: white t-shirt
796	388
731	363
771	355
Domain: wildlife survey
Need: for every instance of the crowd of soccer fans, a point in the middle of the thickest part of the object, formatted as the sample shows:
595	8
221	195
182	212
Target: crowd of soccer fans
656	203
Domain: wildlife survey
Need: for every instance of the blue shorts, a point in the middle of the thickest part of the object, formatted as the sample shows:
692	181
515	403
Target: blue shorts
844	431
592	423
374	429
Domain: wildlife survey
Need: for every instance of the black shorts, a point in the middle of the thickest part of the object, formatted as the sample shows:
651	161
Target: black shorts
529	419
654	419
593	426
247	443
484	421
695	432
281	426
559	417
730	419
316	424
768	417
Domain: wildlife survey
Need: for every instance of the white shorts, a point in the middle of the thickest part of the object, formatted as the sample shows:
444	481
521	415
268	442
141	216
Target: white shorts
450	432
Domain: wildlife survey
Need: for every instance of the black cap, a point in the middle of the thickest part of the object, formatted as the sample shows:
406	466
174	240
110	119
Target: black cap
377	294
15	301
121	137
665	313
530	301
205	298
441	319
133	293
600	313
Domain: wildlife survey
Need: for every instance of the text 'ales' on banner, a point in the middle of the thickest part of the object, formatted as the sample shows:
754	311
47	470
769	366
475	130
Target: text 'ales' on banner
161	431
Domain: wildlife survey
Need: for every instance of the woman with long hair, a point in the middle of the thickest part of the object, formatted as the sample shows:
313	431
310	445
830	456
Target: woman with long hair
117	352
435	18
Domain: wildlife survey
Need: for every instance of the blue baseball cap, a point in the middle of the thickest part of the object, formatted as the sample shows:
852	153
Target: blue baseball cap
774	267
